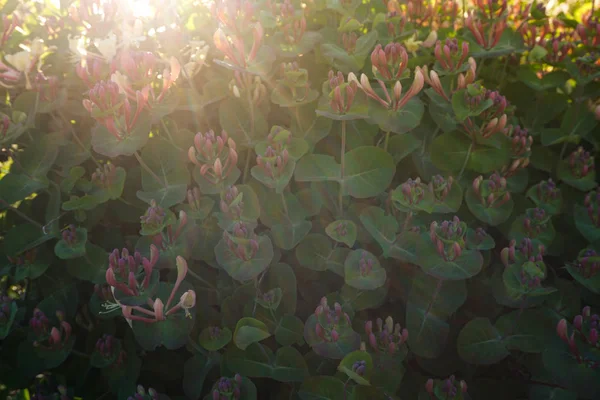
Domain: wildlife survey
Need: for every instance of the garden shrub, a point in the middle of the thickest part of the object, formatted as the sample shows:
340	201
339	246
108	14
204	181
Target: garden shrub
330	199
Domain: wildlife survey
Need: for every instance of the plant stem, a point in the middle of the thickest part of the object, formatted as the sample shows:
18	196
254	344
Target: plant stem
343	162
21	214
79	142
285	207
79	353
462	170
247	166
168	132
297	113
201	279
147	168
345	388
387	140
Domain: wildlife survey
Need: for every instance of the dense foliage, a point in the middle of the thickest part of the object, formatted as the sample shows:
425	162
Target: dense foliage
335	199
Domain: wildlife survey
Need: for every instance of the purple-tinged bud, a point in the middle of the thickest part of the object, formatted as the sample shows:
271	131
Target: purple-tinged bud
334	335
429	386
216	395
463	386
319	331
577	322
593	337
587	311
373	342
369	327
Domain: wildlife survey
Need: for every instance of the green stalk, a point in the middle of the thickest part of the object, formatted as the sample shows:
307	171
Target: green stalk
343	161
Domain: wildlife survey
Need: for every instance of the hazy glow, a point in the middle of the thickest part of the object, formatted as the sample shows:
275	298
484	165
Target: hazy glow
139	8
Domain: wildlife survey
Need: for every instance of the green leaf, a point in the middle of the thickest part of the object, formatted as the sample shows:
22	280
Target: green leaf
348	341
65	251
92	267
249	330
245	270
449	151
317	168
289	331
165	163
401	146
314	252
402	121
371	277
584	224
467	265
493	216
108	145
15	187
551	80
479	342
430	303
321	388
369	171
522	330
350	359
216	343
37	159
244	127
195	371
23	237
348	232
462	110
290	366
584	184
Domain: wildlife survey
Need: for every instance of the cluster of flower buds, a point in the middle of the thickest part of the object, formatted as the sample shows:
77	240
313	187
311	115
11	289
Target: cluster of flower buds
448	238
489	23
294	27
236	16
134	72
227	388
104	176
480	236
342	92
410	193
69	235
92	70
154	217
348	41
365	264
243	82
103	292
273	162
449	55
123	270
46	86
534	35
585	329
521	142
589	30
587	263
107	106
295	79
462	81
524	252
418	11
588	64
168	238
106	345
97	14
491	192
242	242
592	204
232	202
389	62
26	258
341	229
235	50
441	187
396	101
141	394
395	19
47	336
581	163
547	191
359	367
449	387
194	199
559	47
536	221
161	311
389	337
330	322
215	155
5	308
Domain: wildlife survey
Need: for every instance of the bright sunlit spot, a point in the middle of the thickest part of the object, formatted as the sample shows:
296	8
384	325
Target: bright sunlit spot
139	8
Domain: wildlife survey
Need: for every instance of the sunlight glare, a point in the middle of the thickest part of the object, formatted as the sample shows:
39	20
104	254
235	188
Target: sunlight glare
139	8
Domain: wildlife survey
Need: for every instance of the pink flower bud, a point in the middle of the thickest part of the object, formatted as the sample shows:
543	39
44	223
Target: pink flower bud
429	386
593	338
577	322
319	330
373	342
561	329
587	311
54	336
334	335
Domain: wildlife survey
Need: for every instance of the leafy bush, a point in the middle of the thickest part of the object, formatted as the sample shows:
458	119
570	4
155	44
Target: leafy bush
336	199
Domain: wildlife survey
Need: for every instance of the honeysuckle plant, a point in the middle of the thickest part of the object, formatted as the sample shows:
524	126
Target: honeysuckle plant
427	162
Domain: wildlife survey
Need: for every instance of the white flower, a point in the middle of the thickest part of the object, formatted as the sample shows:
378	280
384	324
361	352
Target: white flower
132	35
197	52
121	81
20	61
77	46
107	46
